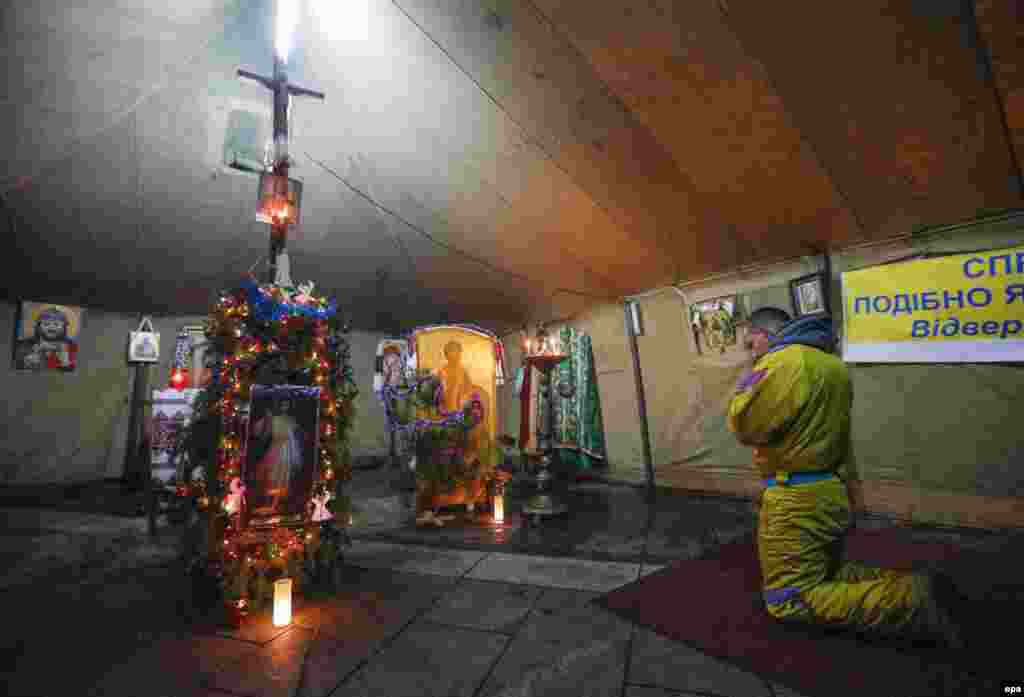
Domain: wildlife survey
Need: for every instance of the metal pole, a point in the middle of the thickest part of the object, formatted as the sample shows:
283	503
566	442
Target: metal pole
133	464
641	401
827	285
282	97
278	238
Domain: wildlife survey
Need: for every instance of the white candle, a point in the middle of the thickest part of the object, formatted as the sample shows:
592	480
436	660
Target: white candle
282	602
499	508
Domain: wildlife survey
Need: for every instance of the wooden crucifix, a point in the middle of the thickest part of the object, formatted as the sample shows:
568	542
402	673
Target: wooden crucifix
283	92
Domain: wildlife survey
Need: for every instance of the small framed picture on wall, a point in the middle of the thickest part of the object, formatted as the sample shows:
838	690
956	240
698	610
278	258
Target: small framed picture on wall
809	295
715	324
46	337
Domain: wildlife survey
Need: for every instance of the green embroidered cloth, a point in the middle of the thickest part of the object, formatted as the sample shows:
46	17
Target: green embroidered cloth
578	431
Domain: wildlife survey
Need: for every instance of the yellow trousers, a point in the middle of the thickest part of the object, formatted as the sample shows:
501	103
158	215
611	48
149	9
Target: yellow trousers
800	544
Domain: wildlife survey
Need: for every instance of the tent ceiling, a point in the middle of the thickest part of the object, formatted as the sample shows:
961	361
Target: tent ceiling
497	160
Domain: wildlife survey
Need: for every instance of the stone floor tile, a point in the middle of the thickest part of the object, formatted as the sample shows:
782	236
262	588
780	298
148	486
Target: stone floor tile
486	605
89	637
428	661
379	513
354	622
567	646
611	545
689	527
644	691
169	666
461	533
367	615
258	628
331	659
663	662
165	689
411	558
648	569
270	671
783	691
547	539
576	574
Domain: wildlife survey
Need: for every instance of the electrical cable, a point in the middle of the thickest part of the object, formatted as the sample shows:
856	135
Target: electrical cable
527	136
440	243
476	170
164	83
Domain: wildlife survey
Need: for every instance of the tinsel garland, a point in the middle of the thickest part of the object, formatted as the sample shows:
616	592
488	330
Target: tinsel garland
272	304
271	336
426	392
439	441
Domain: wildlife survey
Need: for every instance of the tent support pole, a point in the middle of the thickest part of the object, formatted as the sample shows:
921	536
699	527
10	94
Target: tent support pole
641	401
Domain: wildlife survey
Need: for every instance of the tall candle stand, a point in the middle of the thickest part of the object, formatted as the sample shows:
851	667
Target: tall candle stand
544	503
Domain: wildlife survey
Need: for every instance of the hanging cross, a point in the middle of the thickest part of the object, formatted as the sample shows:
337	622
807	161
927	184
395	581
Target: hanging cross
283	92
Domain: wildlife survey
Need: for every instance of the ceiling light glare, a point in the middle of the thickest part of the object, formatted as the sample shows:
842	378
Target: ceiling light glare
287	21
343	21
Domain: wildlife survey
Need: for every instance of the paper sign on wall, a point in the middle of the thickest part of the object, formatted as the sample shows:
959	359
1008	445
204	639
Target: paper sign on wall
966	308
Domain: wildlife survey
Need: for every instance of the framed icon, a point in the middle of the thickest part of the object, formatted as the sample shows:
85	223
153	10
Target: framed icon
46	338
809	295
281	460
716	325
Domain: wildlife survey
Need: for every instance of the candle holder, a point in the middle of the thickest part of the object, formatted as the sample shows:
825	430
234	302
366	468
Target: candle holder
545	355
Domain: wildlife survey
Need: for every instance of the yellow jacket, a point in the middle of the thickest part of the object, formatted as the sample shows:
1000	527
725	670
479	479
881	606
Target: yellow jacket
794	407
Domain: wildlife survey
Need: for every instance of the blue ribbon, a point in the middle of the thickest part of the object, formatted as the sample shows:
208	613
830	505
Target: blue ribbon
266	309
284	391
777	596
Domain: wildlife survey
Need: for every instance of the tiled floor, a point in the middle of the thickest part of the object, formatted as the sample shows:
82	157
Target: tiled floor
94	607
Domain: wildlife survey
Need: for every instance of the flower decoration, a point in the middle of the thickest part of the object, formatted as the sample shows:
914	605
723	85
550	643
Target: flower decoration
233	501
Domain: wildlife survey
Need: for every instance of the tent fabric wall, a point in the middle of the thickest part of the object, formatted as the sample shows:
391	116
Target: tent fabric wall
941	443
613	369
672	386
508	401
932	443
47	437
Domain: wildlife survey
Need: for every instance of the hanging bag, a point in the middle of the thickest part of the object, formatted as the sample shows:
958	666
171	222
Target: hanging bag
144	343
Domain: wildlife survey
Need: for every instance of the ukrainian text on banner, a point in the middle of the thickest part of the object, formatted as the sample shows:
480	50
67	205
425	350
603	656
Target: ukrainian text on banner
967	308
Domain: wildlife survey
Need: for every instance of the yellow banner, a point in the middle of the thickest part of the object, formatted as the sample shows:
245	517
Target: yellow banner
963	308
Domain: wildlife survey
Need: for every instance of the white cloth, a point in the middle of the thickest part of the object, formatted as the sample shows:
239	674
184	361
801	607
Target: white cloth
283	277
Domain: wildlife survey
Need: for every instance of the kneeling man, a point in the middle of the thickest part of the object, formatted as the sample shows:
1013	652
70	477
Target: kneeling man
793	409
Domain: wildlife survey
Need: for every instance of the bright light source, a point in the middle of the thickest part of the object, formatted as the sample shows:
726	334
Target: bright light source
343	21
287	20
178	379
282	602
280	200
499	508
